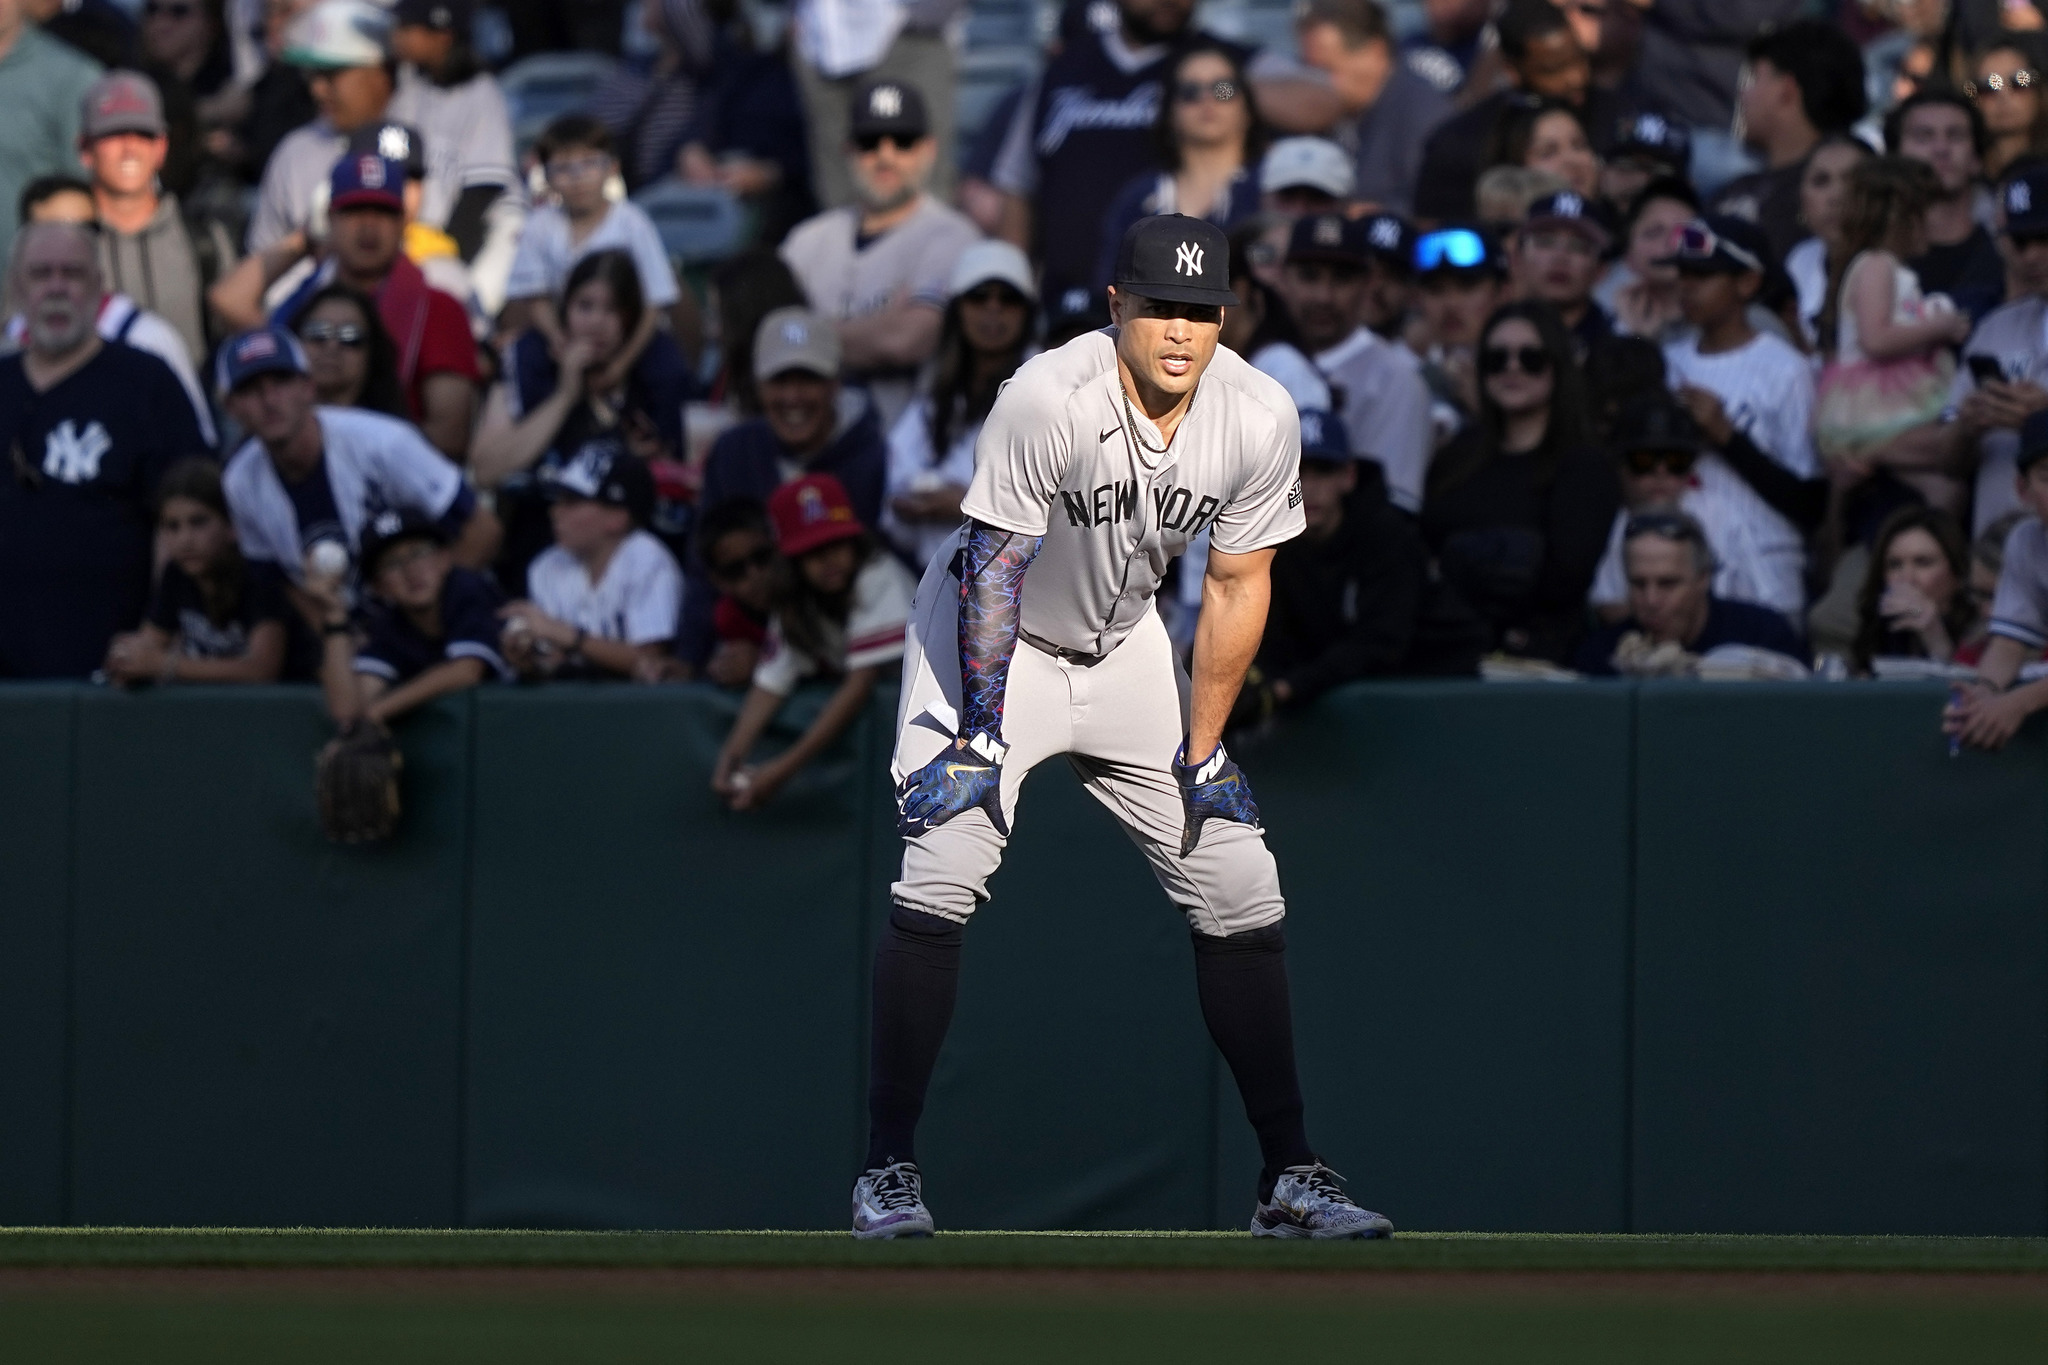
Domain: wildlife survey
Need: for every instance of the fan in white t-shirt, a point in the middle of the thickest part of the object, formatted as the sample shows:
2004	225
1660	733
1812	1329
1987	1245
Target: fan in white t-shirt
606	595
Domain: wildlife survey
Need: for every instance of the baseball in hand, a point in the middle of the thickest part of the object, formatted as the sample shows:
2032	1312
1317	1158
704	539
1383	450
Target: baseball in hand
329	559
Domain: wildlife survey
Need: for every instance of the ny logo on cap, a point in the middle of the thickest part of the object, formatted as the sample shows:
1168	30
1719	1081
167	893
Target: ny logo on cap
1311	428
1187	260
393	143
1650	128
1568	206
1329	231
795	333
387	524
371	169
1386	234
2019	197
886	101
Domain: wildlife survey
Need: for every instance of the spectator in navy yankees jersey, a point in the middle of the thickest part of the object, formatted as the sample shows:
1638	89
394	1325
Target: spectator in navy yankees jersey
842	610
1518	505
1210	141
1351	593
429	627
1554	258
1805	81
1672	603
309	474
214	618
1543	61
91	427
1990	713
1082	133
1383	401
990	317
145	250
605	597
878	267
1944	130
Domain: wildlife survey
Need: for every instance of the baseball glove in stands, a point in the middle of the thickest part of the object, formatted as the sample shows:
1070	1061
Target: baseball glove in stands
355	781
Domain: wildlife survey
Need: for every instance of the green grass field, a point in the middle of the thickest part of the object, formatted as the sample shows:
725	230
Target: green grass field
305	1295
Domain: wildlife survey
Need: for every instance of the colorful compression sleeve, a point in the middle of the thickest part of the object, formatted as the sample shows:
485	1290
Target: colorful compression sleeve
992	566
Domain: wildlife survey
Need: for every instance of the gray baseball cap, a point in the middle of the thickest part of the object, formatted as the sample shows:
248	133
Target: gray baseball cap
121	102
795	339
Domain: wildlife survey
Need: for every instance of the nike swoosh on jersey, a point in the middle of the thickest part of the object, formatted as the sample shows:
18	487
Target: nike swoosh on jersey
1107	434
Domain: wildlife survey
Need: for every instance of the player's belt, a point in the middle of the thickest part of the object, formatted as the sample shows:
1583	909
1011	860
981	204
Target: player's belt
1061	652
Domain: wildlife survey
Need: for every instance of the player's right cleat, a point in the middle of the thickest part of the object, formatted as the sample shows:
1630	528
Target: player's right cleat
889	1202
1307	1201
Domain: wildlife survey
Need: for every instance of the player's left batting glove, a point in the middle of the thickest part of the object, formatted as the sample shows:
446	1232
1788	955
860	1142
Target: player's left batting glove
1214	789
958	780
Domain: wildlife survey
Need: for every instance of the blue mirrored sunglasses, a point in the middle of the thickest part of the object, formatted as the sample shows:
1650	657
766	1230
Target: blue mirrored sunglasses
1453	248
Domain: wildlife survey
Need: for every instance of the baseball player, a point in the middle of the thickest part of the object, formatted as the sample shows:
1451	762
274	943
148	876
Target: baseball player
1034	634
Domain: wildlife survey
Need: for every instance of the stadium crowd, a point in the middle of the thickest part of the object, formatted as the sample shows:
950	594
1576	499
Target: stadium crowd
415	346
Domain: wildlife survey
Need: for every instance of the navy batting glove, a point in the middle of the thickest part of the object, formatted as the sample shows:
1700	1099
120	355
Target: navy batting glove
958	780
1214	789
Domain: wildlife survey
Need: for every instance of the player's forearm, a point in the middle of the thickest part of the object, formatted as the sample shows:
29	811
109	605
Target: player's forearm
991	606
2001	661
1227	638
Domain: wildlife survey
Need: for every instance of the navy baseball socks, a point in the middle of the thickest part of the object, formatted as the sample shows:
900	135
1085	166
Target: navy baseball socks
917	979
1242	981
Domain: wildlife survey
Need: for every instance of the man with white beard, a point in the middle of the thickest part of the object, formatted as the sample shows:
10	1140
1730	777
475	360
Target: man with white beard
89	427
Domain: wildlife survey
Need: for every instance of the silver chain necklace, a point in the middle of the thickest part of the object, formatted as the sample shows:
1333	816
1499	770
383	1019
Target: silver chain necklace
1131	420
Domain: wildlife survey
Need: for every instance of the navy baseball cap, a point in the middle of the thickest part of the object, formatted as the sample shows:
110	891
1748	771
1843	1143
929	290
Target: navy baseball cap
2033	440
1568	209
1721	244
1389	239
1174	257
394	526
264	350
1328	237
888	109
605	471
444	16
398	142
1323	437
2023	200
367	181
1656	422
1653	138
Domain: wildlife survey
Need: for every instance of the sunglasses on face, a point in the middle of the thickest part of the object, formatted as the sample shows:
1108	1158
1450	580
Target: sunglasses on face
1450	249
2024	241
1192	92
1533	361
1676	462
870	142
340	333
173	11
2000	83
733	570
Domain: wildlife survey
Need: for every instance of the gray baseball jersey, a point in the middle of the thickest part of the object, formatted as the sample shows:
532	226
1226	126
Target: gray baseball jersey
845	278
2020	610
1064	456
1059	458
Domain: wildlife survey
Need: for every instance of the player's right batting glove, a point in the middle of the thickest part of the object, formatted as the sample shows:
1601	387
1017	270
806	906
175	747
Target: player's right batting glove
959	779
1214	789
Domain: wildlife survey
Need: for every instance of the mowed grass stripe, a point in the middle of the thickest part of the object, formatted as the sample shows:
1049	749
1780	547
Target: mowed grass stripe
313	1247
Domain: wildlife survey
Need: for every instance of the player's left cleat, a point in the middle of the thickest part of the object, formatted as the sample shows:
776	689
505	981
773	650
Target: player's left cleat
1308	1202
889	1202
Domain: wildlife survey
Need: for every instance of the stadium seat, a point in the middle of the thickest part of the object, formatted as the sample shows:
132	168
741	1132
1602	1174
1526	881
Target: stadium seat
699	224
542	88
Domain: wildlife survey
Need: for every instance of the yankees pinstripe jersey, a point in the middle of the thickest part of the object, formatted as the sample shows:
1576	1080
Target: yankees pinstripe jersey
1064	456
2020	610
2016	336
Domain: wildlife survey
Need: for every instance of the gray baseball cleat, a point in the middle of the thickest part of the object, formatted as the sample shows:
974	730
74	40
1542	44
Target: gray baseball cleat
1307	1201
889	1202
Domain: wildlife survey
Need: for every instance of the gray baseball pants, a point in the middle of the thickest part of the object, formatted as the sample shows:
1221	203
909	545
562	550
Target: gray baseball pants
1118	720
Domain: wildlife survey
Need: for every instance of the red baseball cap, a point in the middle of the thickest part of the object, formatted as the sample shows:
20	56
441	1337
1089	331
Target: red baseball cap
810	512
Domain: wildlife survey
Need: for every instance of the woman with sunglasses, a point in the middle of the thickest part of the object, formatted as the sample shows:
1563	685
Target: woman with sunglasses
1210	138
1915	601
984	336
1517	508
2005	82
349	355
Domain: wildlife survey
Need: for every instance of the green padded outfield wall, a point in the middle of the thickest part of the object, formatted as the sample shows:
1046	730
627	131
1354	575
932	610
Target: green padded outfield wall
1673	957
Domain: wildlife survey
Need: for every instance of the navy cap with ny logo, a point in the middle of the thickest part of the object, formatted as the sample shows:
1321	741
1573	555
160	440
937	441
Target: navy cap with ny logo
1175	257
